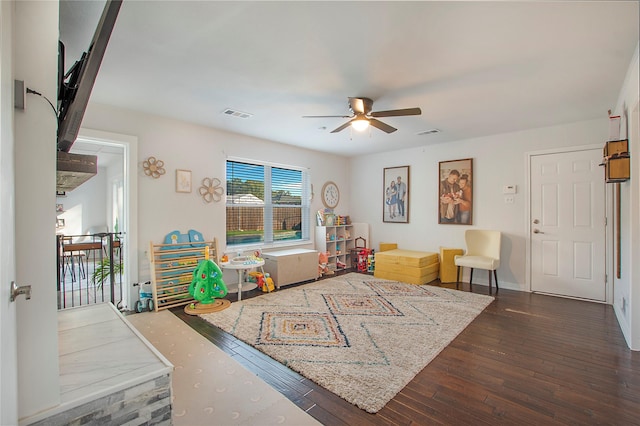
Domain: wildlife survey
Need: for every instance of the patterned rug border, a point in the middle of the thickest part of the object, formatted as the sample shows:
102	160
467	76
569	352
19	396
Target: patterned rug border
354	335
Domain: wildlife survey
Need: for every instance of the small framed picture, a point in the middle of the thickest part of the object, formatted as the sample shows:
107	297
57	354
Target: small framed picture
59	223
59	208
183	180
395	194
455	196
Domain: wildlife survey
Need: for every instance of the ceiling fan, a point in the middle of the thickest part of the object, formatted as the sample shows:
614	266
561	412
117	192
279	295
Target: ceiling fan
362	116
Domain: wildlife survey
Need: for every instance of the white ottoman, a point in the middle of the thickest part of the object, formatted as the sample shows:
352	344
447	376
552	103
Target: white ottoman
291	266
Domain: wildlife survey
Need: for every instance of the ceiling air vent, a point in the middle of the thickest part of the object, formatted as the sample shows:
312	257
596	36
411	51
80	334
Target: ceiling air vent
236	113
428	132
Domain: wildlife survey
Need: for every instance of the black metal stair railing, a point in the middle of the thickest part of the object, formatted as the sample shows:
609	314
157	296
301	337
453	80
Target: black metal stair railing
90	269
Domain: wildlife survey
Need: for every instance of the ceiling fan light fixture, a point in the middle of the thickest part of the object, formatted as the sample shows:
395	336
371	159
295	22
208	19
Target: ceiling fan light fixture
362	116
360	124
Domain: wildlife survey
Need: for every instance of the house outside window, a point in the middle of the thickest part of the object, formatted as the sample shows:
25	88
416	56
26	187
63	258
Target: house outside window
267	204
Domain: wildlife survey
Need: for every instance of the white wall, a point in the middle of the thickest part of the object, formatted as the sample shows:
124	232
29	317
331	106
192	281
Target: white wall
86	205
114	173
497	161
204	151
627	288
36	62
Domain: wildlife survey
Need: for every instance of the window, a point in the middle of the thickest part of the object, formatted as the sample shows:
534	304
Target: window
266	203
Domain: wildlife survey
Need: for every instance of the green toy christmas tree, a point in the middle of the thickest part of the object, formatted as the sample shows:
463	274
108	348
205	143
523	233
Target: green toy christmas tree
207	283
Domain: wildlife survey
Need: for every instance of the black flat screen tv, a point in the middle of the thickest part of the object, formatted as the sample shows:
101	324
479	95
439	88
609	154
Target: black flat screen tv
76	85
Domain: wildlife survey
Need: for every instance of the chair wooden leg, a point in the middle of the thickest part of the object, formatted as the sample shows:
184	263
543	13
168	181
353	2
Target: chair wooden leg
490	291
458	278
470	280
495	275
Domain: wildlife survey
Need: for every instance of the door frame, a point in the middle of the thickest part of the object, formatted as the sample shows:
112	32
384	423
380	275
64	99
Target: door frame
608	232
8	315
130	175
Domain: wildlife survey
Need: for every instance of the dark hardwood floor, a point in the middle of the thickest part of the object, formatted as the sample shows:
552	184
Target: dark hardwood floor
526	359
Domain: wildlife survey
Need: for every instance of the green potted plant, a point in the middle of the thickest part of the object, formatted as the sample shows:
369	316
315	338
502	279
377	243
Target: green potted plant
103	269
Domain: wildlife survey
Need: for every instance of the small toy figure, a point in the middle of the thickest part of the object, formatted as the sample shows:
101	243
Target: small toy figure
269	285
323	261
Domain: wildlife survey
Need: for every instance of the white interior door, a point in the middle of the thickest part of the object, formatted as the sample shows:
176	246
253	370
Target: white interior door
568	224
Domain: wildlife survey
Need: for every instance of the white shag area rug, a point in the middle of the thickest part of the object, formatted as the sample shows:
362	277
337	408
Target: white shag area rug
362	338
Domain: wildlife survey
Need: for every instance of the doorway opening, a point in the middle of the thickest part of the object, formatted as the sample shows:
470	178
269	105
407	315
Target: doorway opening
96	226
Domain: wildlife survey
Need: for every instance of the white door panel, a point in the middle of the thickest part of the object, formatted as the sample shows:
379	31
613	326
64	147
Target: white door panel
568	226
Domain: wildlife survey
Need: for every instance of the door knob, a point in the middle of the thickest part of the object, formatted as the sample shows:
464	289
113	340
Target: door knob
536	221
537	231
16	291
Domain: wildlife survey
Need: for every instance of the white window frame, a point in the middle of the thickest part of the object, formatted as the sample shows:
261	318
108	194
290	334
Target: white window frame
305	205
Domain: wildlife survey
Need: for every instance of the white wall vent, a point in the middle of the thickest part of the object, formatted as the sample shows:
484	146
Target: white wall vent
236	113
428	132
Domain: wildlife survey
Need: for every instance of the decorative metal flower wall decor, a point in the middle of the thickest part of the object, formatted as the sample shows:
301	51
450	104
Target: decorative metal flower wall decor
211	190
153	167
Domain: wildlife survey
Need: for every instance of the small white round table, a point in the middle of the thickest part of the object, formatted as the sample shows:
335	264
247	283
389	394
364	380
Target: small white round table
241	267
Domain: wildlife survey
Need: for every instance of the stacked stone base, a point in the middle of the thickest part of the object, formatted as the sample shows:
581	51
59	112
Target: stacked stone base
143	404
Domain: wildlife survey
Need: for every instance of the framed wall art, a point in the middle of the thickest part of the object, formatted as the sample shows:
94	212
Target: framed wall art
455	198
183	180
395	194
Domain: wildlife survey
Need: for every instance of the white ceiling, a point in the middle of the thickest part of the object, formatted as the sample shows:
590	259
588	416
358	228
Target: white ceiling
474	68
108	154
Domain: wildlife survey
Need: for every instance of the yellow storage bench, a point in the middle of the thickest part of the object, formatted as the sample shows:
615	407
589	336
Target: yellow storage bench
409	266
388	246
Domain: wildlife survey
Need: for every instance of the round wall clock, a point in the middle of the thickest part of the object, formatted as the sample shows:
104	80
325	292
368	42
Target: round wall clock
330	195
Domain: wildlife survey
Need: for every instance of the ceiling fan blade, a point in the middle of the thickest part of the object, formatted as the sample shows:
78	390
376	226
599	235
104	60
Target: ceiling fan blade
382	126
397	112
360	105
326	116
341	128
